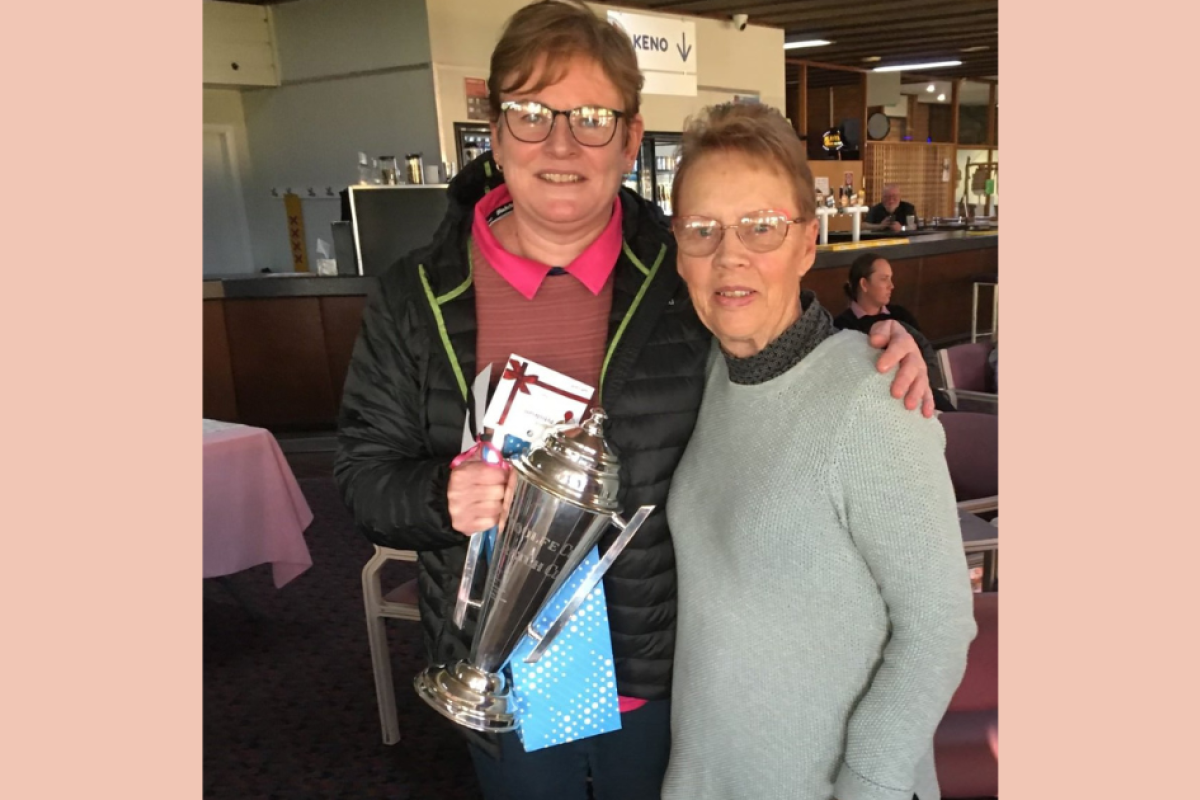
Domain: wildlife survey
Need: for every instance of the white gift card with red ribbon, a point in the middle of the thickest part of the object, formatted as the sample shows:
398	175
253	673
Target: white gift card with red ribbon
529	397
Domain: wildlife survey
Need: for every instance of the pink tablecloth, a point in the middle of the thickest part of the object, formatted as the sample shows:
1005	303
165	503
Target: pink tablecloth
254	511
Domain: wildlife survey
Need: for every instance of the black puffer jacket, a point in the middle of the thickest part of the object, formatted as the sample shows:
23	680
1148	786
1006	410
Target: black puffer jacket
406	397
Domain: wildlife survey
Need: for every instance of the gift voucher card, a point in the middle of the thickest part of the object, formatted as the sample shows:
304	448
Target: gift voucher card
528	398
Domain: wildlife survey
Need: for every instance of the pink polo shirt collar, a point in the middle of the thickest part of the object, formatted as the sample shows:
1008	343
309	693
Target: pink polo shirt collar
591	267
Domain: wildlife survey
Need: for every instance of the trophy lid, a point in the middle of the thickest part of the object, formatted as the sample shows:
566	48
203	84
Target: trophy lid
575	463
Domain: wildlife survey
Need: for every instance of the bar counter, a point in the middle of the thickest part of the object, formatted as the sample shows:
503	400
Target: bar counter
277	346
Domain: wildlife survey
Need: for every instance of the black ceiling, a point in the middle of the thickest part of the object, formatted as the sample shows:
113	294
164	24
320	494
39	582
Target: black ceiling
895	31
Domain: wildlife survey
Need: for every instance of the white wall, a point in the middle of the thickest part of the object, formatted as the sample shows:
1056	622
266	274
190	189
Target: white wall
464	32
320	38
355	76
223	107
883	89
977	157
309	135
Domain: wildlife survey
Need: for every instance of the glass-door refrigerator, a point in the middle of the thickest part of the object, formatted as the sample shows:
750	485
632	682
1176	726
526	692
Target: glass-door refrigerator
473	140
654	169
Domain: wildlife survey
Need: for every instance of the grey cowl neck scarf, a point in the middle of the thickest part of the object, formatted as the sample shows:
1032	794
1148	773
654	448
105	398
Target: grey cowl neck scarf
814	326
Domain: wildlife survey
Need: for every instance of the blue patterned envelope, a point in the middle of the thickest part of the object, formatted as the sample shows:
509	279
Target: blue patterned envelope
570	693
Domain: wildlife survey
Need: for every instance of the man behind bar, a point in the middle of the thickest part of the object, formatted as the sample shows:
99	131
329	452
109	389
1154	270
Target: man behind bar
891	213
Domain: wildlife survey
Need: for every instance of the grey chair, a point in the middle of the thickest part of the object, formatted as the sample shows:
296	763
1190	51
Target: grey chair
972	455
399	603
964	370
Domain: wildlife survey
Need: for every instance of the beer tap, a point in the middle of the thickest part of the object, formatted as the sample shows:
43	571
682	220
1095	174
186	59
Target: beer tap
855	212
824	211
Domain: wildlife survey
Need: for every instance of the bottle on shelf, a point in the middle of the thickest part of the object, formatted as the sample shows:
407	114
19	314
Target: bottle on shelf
366	175
387	170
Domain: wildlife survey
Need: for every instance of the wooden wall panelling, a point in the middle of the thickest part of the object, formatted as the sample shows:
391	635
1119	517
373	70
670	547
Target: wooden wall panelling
918	119
827	283
917	167
862	110
796	103
955	93
989	265
906	275
944	307
219	396
942	122
802	103
850	102
820	108
280	363
341	317
991	117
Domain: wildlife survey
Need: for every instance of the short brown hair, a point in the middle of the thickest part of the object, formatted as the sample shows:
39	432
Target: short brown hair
754	130
557	32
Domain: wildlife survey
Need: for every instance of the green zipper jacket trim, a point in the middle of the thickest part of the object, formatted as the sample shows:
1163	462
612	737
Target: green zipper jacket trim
636	261
462	287
632	309
441	323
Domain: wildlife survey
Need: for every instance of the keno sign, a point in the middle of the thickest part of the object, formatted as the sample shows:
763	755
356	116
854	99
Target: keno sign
666	51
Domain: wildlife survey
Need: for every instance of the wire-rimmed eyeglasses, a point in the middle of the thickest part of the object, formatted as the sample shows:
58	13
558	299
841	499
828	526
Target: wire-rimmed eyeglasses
761	232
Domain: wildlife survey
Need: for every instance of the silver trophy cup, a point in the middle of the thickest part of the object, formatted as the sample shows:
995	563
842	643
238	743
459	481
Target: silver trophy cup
565	497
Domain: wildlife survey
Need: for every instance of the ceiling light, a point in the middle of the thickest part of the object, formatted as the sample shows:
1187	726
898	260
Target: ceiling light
975	49
930	88
926	65
941	98
806	43
870	59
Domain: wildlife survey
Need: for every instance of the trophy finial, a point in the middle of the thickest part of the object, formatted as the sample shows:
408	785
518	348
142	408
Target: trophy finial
594	424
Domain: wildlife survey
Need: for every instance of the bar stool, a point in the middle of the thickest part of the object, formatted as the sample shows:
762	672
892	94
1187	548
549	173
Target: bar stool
994	282
399	603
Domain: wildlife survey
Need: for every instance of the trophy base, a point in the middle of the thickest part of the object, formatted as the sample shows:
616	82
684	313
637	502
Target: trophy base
467	695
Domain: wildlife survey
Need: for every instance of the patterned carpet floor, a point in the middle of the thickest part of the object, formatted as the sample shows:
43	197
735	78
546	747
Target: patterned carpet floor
289	697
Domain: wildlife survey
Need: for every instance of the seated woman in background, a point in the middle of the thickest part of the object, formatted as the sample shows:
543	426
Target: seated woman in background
870	291
824	605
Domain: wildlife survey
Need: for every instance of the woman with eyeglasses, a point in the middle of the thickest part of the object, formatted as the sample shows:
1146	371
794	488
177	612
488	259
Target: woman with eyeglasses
542	253
824	604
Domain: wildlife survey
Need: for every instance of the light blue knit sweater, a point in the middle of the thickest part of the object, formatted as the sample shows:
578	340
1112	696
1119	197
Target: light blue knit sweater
824	605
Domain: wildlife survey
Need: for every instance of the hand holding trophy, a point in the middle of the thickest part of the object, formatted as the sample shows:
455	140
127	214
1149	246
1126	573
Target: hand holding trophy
563	498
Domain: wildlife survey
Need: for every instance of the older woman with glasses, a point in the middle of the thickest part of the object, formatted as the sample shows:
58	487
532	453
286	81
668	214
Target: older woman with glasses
824	604
543	254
